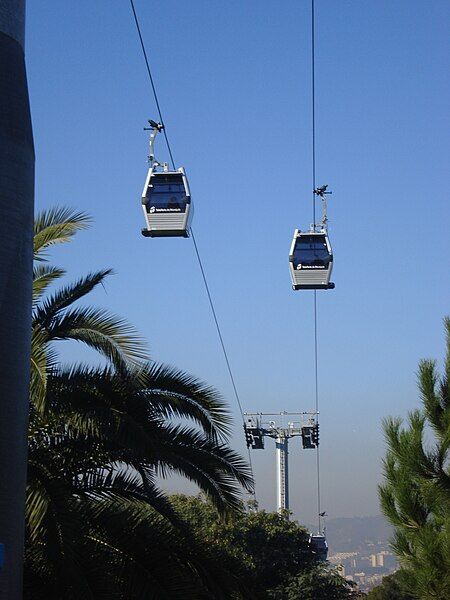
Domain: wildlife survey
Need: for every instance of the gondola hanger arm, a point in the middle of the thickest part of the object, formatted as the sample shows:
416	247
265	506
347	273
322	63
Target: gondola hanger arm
322	192
154	128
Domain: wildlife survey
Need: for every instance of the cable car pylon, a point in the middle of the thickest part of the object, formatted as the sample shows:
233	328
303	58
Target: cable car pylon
257	427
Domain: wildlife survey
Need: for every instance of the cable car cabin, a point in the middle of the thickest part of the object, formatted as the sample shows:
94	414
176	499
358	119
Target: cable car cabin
307	437
311	261
319	546
253	433
255	439
166	202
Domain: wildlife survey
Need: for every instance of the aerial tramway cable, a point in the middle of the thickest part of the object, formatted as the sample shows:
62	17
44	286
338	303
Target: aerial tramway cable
155	95
316	362
197	252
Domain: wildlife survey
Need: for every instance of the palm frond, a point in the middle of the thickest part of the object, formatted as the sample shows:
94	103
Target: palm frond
43	276
176	394
56	226
111	336
43	360
161	562
136	398
67	295
94	453
54	523
139	435
216	469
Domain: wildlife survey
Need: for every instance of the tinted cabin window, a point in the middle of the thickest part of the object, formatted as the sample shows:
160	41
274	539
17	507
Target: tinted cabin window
166	193
311	251
319	546
319	543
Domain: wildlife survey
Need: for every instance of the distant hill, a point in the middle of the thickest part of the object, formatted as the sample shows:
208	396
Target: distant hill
350	534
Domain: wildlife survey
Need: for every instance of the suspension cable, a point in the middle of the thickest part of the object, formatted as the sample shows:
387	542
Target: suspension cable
316	362
214	314
155	95
222	344
313	98
197	252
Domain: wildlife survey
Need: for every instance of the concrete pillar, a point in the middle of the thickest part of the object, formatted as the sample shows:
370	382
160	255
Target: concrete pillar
16	237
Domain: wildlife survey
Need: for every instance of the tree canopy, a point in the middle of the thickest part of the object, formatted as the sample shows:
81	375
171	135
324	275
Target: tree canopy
319	583
415	494
97	525
269	551
392	588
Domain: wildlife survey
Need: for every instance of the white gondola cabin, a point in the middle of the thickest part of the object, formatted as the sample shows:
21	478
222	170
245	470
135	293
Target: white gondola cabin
311	257
166	202
311	261
166	199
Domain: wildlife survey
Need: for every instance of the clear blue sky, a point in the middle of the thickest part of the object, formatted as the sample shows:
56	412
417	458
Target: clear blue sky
234	84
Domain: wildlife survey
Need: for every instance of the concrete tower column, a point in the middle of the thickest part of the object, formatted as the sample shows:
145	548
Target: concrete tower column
16	237
282	473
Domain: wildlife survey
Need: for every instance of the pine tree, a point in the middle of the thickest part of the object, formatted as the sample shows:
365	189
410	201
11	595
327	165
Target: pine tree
415	494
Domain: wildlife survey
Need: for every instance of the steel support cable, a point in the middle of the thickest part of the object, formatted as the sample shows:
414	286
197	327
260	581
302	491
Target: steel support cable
313	98
222	343
197	253
155	95
214	314
316	377
316	362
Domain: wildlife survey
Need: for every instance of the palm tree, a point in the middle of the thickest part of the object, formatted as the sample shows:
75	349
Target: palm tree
92	495
97	524
55	319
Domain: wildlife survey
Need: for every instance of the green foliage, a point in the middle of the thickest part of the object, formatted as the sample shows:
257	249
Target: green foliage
318	583
268	551
97	526
54	317
56	226
391	588
278	548
415	495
